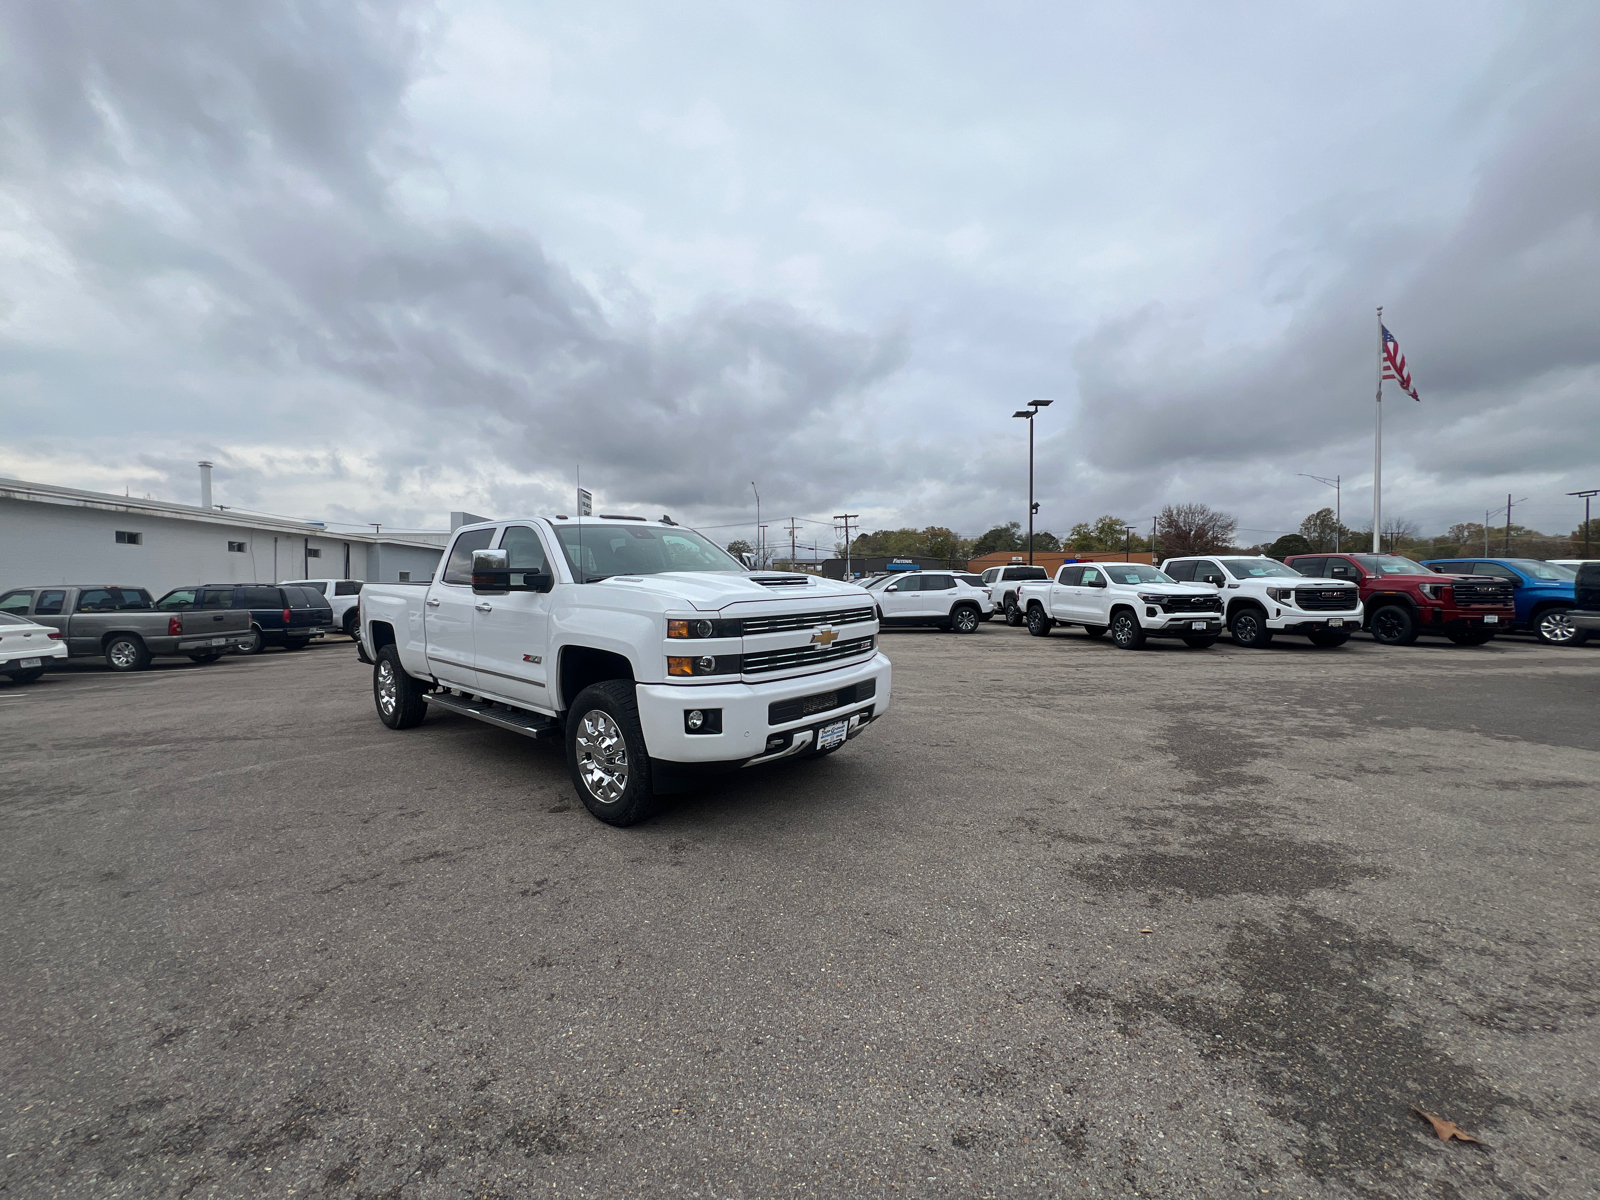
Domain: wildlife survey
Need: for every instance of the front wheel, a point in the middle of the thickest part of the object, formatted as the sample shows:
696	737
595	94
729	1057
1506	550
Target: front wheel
1249	629
1328	640
964	620
28	676
1554	628
1038	624
606	753
397	695
1013	613
1394	625
1126	631
127	653
1200	643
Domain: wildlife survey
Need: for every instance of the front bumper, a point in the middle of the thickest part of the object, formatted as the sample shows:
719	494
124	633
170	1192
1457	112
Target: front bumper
1283	619
745	709
44	655
1455	620
1192	624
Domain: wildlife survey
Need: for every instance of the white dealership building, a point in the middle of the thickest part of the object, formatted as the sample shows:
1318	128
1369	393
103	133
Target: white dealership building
51	534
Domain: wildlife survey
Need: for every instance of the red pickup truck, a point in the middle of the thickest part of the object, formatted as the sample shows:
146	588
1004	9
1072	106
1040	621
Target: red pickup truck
1402	599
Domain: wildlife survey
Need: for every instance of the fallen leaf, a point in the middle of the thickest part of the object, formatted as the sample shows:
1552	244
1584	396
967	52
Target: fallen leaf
1446	1129
1147	931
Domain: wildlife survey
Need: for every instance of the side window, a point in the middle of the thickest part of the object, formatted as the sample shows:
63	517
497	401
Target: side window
347	587
1092	577
1209	572
321	589
257	597
459	567
15	602
1070	576
937	583
178	600
211	598
1311	567
991	574
909	583
524	550
112	600
50	604
1343	568
1183	572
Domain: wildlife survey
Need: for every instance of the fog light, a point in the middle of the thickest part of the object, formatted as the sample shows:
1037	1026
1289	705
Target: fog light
695	719
1149	612
705	664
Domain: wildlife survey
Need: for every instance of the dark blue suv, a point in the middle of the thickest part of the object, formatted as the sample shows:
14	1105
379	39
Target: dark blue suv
279	616
1542	591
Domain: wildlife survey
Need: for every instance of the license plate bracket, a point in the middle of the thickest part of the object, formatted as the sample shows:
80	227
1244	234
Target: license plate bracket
832	734
219	641
1336	623
1492	620
30	663
1200	625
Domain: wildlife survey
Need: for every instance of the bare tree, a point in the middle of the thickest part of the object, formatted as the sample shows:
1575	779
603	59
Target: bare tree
1193	529
1397	530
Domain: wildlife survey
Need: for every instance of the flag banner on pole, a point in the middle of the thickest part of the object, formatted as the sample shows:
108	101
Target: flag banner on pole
585	503
1394	365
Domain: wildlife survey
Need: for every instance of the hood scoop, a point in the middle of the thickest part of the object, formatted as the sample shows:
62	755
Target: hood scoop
782	581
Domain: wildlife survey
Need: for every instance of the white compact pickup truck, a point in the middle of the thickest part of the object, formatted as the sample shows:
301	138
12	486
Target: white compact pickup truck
653	654
1132	600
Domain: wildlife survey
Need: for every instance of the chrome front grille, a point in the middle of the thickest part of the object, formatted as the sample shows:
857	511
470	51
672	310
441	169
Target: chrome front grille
803	656
1326	599
784	622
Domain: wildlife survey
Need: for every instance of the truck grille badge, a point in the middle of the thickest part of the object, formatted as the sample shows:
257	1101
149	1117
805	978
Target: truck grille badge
824	637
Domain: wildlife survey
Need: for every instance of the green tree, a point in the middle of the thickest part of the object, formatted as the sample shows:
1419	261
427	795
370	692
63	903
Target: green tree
1043	540
1001	537
1324	532
1106	533
1289	543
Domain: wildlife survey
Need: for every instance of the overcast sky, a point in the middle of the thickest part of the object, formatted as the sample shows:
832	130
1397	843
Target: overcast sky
380	262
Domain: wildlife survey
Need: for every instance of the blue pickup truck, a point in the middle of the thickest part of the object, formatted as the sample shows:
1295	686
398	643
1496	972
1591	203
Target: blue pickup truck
1542	591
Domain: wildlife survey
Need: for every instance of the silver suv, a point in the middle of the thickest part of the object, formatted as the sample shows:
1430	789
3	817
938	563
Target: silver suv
941	598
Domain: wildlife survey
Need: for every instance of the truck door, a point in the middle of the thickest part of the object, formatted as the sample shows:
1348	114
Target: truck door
450	610
1094	597
1064	591
510	633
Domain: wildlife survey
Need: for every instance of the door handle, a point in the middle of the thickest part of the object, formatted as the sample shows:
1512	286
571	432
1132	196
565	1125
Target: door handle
433	603
484	607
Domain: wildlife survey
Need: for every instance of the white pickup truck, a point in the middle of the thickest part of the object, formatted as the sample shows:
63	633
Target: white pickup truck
1132	600
1262	596
656	656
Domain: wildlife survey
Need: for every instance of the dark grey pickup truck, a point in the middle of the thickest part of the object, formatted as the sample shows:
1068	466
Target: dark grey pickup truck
119	623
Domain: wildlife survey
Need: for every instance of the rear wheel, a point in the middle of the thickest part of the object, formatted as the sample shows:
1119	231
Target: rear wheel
296	643
964	619
28	676
253	644
606	753
1126	631
125	652
1394	625
1328	640
1038	624
1013	613
1200	643
1249	628
352	623
397	695
208	656
1554	628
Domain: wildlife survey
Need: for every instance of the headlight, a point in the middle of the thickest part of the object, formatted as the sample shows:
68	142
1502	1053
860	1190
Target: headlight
1281	595
701	628
1433	591
1150	598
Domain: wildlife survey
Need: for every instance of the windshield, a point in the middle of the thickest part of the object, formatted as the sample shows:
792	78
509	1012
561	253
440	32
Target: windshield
1135	573
607	550
1549	572
1390	564
870	584
1259	568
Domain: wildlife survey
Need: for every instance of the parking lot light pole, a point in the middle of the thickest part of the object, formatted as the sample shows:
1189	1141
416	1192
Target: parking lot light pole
1586	496
1127	547
1028	414
1338	502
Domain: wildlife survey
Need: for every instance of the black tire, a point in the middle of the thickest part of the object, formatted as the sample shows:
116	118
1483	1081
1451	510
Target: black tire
1553	627
1095	631
964	619
31	675
1200	643
1473	637
1013	613
208	656
126	652
352	624
1249	628
255	645
397	695
604	739
1038	623
987	617
1393	625
296	643
1328	640
1126	631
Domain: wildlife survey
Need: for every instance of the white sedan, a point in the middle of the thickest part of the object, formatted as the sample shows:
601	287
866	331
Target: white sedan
26	647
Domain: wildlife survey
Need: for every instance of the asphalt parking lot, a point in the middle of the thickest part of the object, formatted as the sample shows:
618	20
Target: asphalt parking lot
1070	921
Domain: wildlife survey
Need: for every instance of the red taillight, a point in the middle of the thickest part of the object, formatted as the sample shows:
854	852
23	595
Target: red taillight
174	626
55	637
286	616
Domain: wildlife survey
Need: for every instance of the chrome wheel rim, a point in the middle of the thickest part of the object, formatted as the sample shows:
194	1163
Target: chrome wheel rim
1122	631
966	620
123	655
388	689
602	756
1556	627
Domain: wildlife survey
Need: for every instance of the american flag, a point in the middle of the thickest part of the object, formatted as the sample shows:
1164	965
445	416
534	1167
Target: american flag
1394	365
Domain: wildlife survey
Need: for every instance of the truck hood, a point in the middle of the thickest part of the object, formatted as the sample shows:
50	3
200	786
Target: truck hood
713	591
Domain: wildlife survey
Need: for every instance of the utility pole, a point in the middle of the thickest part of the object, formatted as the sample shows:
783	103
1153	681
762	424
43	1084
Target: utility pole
1586	496
1338	502
1127	545
1028	414
791	543
1508	524
846	518
758	522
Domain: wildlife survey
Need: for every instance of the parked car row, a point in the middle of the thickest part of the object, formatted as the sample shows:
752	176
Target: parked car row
124	625
1324	598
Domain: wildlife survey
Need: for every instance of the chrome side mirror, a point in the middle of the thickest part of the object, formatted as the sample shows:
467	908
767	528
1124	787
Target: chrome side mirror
491	575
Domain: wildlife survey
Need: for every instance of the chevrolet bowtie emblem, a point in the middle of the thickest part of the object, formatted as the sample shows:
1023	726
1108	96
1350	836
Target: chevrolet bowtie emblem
824	637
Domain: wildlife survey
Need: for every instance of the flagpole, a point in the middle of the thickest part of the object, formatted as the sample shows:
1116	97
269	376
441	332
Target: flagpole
1377	448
